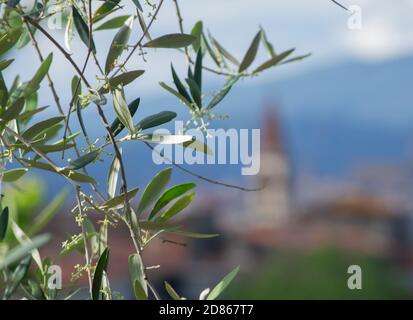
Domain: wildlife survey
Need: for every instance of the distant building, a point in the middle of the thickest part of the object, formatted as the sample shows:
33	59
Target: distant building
270	206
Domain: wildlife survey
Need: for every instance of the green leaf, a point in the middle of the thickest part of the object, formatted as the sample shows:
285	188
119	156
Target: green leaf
101	267
209	49
34	83
176	94
177	207
4	221
194	235
175	40
24	38
38	164
223	92
76	86
154	189
119	43
69	32
27	115
251	53
299	58
79	177
13	111
4	94
9	39
122	110
158	226
268	45
21	251
105	9
143	25
171	291
220	287
44	217
138	5
139	291
84	160
31	102
224	52
113	177
117	126
118	201
82	29
36	290
137	274
170	195
13	174
180	87
80	118
5	63
197	33
155	120
122	79
113	23
273	61
198	70
40	127
18	275
23	239
54	147
195	91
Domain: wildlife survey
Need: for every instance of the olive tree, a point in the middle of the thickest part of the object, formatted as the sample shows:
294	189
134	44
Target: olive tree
28	144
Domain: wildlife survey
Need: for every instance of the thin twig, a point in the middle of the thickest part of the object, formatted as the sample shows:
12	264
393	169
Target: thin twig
138	44
181	27
202	177
340	5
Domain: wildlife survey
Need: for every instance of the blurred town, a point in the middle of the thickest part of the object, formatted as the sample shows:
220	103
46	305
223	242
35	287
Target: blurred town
295	238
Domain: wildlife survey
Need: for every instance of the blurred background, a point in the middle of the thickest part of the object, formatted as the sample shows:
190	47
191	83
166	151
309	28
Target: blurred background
336	155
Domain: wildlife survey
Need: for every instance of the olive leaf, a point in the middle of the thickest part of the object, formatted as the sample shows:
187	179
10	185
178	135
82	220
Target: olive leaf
274	61
220	287
101	268
251	53
122	79
119	43
173	41
118	201
171	291
82	29
154	189
177	207
223	92
137	275
113	23
21	251
117	125
197	33
176	94
155	120
13	174
9	39
170	195
4	221
84	160
122	110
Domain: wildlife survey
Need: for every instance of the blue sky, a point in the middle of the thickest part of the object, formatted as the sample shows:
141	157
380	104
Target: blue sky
316	26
